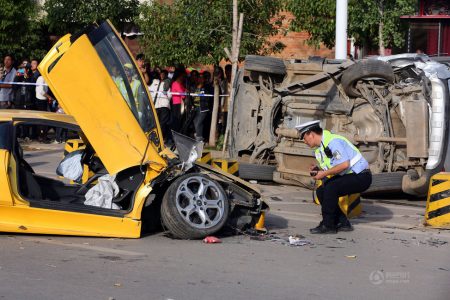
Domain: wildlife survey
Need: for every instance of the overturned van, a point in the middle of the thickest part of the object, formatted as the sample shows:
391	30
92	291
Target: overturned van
394	108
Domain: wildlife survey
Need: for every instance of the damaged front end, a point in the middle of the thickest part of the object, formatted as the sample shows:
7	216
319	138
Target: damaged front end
198	200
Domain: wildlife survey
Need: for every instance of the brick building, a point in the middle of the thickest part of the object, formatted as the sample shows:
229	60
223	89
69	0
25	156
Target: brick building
295	42
429	28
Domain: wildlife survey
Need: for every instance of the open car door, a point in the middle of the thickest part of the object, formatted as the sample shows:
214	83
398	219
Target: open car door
95	79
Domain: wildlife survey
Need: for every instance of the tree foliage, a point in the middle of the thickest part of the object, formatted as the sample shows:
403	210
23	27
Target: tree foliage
191	31
317	17
65	16
20	30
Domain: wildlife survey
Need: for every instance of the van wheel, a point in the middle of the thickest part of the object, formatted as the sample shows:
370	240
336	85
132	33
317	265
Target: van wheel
249	171
194	206
370	69
386	183
265	64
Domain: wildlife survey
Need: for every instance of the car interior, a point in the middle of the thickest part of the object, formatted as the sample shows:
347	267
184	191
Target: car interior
53	191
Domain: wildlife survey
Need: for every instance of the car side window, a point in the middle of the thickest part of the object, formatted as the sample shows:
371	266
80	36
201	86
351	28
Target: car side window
5	136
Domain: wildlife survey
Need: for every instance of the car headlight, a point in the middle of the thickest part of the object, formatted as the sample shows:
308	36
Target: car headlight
189	150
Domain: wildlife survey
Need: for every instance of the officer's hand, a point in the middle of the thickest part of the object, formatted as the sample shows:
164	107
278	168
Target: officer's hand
319	175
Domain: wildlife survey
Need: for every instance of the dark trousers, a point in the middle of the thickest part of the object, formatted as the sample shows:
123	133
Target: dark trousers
164	121
199	119
176	117
61	135
42	105
338	186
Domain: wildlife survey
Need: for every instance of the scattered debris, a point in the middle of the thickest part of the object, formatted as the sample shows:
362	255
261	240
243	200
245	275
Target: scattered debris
444	269
298	241
253	181
211	240
435	242
351	256
274	198
117	284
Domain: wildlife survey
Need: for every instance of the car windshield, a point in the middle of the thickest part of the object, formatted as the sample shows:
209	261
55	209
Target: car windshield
124	73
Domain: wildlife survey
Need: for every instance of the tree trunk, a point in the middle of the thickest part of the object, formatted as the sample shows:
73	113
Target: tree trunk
381	38
381	28
215	110
234	62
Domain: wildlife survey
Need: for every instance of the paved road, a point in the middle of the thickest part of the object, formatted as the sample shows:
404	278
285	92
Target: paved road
389	255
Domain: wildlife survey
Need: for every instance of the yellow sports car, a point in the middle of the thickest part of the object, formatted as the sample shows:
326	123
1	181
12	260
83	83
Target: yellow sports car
96	82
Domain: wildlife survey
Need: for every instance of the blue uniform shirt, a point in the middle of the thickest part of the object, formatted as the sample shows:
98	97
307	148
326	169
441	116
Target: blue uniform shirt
344	152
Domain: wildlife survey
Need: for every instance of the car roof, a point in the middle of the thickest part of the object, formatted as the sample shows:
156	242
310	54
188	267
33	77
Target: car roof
10	114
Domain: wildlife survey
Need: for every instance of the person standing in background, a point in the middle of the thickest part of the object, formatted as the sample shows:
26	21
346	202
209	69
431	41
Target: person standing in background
160	91
6	91
178	100
140	60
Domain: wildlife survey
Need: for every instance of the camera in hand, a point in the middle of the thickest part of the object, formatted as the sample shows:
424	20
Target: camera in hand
314	171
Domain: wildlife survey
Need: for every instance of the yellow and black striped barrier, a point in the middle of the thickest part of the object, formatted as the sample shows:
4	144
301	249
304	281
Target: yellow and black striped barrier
206	157
72	145
438	201
228	165
349	204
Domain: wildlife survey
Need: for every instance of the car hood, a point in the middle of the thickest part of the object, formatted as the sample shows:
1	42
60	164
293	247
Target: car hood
86	73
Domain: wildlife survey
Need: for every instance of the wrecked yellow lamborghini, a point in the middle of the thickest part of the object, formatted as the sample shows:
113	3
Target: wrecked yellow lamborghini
96	82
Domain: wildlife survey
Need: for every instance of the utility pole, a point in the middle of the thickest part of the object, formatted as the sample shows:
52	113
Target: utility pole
341	29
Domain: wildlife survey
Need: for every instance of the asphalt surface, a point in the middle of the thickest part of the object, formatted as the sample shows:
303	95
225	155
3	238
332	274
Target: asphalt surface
390	254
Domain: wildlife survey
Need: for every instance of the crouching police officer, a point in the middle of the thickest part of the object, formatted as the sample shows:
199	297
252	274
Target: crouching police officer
349	172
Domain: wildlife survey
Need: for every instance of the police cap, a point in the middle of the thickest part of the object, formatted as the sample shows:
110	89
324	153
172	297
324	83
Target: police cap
305	127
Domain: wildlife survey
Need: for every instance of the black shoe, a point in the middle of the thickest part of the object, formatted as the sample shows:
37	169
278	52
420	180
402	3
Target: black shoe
322	229
344	226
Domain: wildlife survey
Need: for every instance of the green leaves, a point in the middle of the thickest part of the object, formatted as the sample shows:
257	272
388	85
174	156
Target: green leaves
191	31
65	16
20	33
317	17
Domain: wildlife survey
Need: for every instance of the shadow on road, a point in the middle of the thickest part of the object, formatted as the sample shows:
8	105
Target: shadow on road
276	222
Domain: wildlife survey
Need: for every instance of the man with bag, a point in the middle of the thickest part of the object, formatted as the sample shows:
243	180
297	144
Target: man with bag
349	172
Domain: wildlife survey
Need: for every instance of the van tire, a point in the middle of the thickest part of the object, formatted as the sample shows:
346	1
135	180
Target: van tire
265	64
386	183
369	68
256	172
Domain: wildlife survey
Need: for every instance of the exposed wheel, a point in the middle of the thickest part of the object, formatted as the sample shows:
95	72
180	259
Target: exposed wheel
256	172
194	206
366	69
386	183
265	64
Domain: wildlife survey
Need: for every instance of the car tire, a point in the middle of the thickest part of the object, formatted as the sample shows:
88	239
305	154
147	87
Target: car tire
184	203
364	70
256	172
386	183
265	64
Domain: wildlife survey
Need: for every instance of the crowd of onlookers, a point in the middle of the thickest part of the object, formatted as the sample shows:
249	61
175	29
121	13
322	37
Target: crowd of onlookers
180	111
22	87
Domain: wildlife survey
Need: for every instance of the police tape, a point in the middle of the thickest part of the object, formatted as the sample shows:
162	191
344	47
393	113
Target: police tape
160	92
189	94
24	83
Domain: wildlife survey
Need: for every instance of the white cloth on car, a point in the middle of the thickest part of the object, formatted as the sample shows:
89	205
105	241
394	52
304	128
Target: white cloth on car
102	194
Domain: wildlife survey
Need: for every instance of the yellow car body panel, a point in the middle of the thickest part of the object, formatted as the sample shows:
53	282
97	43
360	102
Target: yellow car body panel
9	115
25	219
6	196
97	106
